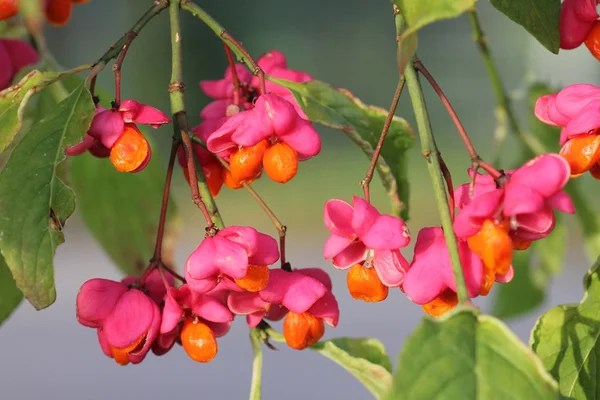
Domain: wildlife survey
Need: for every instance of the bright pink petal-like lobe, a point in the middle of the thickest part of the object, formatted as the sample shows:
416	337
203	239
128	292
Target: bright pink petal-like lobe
338	217
130	319
318	274
261	249
573	98
86	142
390	266
211	309
586	121
172	311
327	309
470	219
294	290
96	300
107	126
223	88
354	253
577	18
547	174
134	112
303	138
541	109
431	270
217	255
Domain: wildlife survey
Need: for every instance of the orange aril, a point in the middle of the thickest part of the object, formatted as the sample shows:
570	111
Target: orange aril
256	279
581	152
595	171
489	277
58	12
214	178
130	150
364	284
593	40
445	302
8	9
302	330
198	341
121	355
280	162
520	244
493	245
233	183
246	162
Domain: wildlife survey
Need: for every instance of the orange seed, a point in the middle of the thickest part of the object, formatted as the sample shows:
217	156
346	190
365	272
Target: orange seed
8	9
581	152
58	12
281	162
302	330
494	245
593	40
130	150
256	278
364	284
246	162
121	355
445	302
198	341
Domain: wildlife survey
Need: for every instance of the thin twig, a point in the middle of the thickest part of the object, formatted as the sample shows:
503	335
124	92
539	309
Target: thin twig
281	229
131	35
234	76
386	127
181	126
160	232
448	179
476	161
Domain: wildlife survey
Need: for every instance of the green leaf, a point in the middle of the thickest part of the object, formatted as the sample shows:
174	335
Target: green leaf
566	340
13	101
10	295
339	109
534	269
539	17
121	210
418	14
467	356
34	203
366	359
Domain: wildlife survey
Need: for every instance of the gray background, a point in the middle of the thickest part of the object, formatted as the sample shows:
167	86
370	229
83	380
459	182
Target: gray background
349	44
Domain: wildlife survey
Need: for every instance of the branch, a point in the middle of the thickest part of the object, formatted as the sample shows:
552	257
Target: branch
476	161
165	202
181	126
255	341
386	127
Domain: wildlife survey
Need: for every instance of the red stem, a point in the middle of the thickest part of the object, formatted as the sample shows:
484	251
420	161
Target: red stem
365	183
475	159
165	202
180	124
234	76
131	35
257	71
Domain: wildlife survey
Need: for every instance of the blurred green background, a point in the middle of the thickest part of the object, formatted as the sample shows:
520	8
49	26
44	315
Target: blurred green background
349	44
